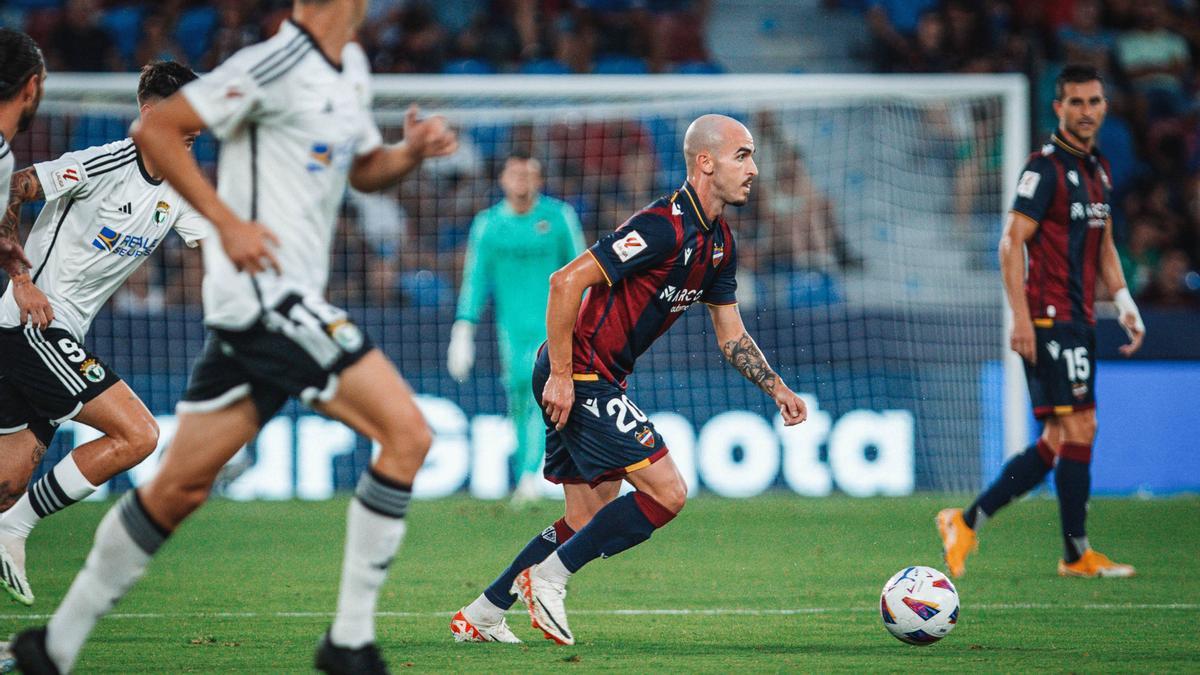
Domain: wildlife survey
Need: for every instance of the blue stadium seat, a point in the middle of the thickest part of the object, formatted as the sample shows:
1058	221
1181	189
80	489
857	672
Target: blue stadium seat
425	288
35	4
194	32
813	288
698	68
1116	138
489	138
124	24
468	67
619	64
92	130
205	149
666	139
544	67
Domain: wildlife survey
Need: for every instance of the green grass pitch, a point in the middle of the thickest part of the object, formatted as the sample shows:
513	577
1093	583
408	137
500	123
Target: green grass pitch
775	584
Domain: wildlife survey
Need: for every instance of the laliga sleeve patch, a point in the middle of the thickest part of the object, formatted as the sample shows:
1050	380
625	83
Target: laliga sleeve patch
628	246
1028	184
67	177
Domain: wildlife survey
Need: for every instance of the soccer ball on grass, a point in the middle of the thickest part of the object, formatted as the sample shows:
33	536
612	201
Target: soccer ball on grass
919	605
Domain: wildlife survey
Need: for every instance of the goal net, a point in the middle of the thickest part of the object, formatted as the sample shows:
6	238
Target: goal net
867	273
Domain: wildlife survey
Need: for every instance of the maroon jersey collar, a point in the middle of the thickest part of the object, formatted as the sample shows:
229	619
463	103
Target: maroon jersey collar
689	202
1070	148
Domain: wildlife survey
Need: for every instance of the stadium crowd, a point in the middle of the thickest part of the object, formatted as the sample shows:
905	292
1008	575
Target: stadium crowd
402	36
1146	49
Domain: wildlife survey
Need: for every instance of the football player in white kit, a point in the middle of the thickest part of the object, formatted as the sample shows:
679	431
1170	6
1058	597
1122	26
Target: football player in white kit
22	73
294	117
105	212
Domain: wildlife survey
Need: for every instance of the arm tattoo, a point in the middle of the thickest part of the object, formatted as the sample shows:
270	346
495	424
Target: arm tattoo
25	187
744	355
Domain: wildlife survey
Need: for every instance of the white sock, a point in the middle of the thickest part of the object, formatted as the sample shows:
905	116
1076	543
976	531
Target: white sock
371	542
61	487
552	569
125	543
15	525
483	612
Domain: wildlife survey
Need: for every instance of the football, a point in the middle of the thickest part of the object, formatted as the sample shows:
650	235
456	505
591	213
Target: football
919	605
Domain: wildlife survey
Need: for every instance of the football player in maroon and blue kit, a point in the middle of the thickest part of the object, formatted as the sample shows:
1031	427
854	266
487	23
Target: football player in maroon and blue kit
1062	217
675	252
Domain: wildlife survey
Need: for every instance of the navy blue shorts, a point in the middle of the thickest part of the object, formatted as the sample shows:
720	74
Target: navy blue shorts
1064	379
605	437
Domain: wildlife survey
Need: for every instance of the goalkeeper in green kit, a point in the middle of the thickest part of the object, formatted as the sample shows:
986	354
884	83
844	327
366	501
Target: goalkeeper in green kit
514	247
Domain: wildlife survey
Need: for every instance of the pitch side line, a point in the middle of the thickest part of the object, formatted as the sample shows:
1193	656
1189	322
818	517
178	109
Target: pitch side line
721	611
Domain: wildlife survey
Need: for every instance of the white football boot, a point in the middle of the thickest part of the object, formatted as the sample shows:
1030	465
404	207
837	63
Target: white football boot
544	598
466	630
12	578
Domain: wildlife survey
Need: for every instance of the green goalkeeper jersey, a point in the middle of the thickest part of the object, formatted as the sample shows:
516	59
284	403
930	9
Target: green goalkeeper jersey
511	256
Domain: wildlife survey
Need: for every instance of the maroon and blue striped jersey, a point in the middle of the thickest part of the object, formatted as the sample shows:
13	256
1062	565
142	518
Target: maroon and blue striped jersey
1066	191
665	258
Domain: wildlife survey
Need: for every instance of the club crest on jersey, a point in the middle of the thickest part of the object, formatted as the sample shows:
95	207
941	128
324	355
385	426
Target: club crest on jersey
718	254
347	335
542	227
320	157
161	212
645	437
628	246
92	370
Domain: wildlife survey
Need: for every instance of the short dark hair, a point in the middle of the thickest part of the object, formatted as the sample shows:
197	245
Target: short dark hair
519	156
1075	73
20	59
160	79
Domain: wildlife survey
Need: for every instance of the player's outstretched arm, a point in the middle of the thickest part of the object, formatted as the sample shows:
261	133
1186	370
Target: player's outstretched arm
424	138
1018	230
744	355
24	187
34	307
562	309
476	285
159	137
1114	279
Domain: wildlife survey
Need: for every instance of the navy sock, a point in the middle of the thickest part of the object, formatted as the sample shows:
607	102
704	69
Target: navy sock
1021	474
1074	482
624	523
535	551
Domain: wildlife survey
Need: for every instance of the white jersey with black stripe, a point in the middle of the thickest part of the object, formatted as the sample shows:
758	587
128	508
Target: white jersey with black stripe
291	123
104	214
7	161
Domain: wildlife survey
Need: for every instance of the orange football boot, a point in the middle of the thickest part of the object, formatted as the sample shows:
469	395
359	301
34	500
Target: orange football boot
1092	564
958	540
